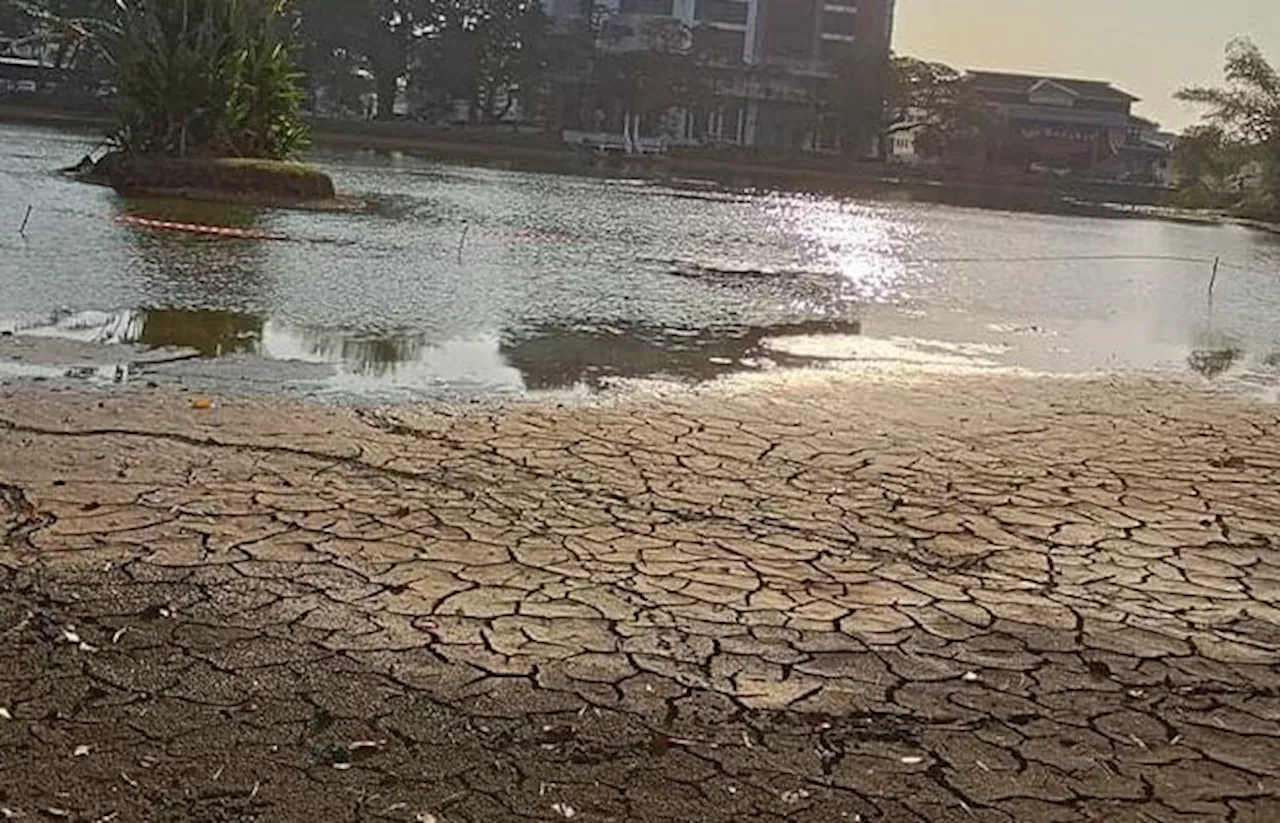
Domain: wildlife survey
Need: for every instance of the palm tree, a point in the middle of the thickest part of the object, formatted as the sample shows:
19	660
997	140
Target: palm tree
205	78
1247	111
193	77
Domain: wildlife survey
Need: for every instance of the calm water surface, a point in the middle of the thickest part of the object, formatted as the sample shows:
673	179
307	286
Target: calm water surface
477	281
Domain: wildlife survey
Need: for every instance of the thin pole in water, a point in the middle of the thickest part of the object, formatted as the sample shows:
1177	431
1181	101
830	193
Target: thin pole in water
1213	281
462	241
22	230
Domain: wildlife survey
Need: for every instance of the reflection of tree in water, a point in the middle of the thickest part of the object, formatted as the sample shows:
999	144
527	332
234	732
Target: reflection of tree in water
212	333
553	357
369	356
1213	362
202	212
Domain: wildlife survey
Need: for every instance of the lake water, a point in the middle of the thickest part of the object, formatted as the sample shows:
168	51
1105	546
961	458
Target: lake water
476	281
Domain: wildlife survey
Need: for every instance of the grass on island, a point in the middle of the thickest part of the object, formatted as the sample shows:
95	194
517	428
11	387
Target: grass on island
227	175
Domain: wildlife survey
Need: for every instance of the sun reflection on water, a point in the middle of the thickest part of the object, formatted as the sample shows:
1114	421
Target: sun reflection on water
862	243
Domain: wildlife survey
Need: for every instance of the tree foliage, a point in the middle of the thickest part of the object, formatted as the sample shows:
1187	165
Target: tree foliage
382	37
211	78
859	99
1243	120
648	82
1248	107
491	54
1205	156
193	78
64	29
936	101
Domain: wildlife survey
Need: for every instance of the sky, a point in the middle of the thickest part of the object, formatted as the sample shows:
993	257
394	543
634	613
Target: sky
1149	48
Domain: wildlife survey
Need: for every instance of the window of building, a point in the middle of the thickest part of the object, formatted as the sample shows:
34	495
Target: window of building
834	52
839	23
789	28
723	11
720	44
652	7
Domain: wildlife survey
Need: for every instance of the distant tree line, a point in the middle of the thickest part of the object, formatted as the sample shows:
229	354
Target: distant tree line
488	53
493	58
933	101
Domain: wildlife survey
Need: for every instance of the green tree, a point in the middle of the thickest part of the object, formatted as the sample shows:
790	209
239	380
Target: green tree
491	54
382	36
14	21
858	103
646	83
1246	111
1205	156
935	100
208	78
66	29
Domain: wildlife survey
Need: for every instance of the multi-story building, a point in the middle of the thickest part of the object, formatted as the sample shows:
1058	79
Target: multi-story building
776	68
822	33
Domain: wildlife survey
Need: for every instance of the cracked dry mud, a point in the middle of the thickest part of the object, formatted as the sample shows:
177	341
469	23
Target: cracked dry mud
946	599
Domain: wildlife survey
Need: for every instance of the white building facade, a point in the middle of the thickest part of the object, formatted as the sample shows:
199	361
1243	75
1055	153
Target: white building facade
772	60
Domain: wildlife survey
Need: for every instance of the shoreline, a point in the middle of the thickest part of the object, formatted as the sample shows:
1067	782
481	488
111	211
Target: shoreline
1029	194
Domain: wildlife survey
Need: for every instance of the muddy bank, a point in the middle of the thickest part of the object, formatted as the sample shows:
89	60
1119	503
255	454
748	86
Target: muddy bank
67	364
929	599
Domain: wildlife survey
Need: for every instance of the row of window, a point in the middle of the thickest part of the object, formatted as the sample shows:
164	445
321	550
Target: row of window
8	86
653	7
735	12
1058	133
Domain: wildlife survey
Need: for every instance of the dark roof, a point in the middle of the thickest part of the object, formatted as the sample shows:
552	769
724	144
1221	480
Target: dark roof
1023	83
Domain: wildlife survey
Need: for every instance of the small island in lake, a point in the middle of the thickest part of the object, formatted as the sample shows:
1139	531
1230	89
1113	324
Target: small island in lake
207	105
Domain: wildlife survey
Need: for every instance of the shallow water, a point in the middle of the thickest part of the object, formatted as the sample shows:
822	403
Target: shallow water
477	281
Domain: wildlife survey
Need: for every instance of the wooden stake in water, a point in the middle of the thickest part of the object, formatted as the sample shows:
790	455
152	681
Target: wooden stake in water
462	241
1213	281
22	230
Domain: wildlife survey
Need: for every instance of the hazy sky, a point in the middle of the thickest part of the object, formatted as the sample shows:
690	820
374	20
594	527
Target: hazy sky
1149	48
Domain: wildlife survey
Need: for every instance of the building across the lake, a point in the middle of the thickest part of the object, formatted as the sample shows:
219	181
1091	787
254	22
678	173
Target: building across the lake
1058	126
28	68
1053	123
774	66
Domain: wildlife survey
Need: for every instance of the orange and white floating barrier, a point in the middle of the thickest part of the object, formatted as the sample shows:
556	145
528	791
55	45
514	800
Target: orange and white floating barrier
197	228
